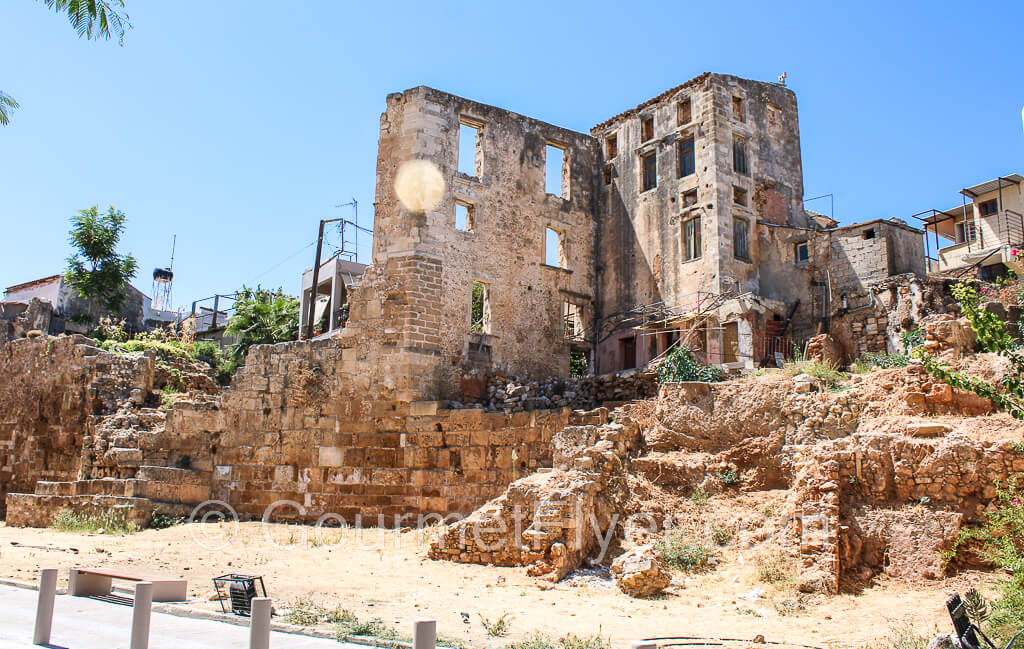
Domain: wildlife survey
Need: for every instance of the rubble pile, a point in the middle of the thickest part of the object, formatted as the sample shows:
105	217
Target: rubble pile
513	394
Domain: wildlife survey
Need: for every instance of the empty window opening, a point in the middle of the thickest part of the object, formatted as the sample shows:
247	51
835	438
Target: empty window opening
607	173
480	310
731	342
989	207
627	352
465	216
737	109
687	157
802	253
739	155
611	146
556	171
649	168
691	239
869	234
470	158
739	238
690	198
579	364
647	128
739	196
572	318
966	231
685	112
554	248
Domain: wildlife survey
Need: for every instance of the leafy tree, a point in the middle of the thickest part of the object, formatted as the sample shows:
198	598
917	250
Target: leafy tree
97	272
93	19
679	364
262	317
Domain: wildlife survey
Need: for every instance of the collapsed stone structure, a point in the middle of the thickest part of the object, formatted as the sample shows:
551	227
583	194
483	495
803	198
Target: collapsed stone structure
680	218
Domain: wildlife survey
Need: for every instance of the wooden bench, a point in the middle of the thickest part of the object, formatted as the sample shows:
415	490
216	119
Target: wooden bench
84	582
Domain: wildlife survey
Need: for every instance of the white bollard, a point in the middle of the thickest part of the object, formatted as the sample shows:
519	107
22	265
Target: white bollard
424	634
259	623
44	610
141	611
643	644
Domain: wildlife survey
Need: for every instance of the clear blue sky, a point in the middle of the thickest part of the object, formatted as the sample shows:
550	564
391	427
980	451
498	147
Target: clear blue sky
238	125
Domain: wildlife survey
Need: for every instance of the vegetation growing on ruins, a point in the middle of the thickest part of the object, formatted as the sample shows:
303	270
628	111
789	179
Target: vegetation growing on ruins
992	335
109	522
680	364
96	270
682	553
570	641
1002	542
261	317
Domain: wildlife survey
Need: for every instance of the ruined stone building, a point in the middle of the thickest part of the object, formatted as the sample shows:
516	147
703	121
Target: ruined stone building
682	216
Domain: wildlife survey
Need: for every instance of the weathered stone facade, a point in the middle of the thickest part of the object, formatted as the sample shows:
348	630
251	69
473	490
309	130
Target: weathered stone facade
51	389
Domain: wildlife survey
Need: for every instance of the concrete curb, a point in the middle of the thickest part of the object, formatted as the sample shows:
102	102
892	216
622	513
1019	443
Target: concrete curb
182	610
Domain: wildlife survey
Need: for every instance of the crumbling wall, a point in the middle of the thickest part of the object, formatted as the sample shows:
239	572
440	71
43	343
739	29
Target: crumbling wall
49	390
640	251
503	244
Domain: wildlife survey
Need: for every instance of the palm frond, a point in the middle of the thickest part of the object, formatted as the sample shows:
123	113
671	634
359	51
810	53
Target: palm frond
7	104
94	19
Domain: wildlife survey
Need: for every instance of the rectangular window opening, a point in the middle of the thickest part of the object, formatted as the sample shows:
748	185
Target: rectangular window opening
989	207
470	158
802	252
691	239
556	171
869	234
465	216
607	173
572	317
690	198
480	310
685	112
739	238
647	129
738	113
611	146
649	168
739	196
739	155
687	157
554	248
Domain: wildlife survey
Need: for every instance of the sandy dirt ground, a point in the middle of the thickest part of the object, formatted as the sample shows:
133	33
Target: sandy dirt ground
385	574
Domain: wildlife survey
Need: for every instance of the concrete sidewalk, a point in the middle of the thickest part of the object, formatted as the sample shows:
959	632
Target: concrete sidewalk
84	623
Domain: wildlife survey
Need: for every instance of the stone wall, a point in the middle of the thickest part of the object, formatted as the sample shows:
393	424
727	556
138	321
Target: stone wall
503	244
50	391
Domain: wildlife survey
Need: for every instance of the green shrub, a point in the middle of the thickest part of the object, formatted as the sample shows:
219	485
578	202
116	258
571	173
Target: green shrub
109	522
262	317
721	534
827	373
681	553
679	364
1002	543
730	477
161	521
206	351
497	627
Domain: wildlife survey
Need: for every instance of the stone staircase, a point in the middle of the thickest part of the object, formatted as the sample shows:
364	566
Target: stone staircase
126	467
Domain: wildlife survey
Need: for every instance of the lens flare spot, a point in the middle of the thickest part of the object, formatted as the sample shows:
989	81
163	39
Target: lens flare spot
419	185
